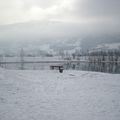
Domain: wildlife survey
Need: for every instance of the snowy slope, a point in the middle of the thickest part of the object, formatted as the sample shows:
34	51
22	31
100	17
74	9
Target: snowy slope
105	47
49	95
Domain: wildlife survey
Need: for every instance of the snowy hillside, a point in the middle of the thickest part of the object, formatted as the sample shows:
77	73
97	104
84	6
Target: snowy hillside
38	48
105	47
49	95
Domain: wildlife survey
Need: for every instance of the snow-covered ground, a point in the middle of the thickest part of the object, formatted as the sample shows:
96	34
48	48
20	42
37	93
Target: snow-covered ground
50	95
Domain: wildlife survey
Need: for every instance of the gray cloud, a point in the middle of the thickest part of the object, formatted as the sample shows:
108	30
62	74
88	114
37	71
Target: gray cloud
98	7
16	11
75	17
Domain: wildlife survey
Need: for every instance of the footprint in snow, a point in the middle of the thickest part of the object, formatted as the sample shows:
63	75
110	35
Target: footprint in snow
71	75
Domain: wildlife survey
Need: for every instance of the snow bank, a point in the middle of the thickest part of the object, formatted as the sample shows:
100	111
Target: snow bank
49	95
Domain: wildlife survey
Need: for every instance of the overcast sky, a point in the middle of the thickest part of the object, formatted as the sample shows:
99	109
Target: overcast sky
71	18
78	11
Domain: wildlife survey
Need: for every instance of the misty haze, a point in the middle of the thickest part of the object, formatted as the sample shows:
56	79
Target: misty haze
60	60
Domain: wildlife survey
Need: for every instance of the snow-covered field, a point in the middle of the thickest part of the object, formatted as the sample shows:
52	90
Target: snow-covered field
49	95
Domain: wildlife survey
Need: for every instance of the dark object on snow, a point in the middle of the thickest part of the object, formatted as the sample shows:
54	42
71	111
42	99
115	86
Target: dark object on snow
61	70
59	67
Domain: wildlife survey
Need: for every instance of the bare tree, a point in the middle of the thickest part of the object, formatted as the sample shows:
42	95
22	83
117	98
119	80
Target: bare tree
1	60
22	53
